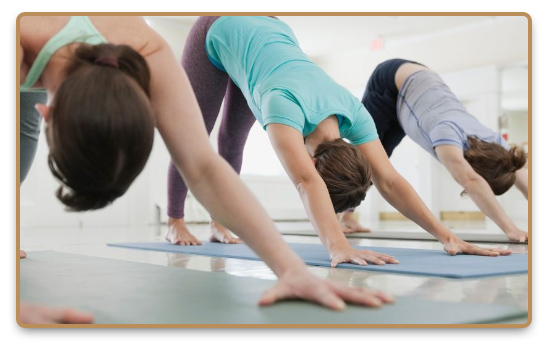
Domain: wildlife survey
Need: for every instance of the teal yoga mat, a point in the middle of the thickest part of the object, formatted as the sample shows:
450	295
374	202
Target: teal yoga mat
123	292
412	261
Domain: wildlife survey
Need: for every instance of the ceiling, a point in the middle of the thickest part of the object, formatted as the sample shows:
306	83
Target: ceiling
352	32
320	35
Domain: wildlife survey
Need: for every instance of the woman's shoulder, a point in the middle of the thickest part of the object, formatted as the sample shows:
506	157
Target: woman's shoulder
129	30
35	31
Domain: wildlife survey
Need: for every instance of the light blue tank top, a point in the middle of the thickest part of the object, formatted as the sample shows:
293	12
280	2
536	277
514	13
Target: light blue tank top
431	115
78	29
280	83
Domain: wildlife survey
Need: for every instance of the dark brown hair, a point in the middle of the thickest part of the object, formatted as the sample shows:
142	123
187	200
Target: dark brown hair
101	126
345	171
494	163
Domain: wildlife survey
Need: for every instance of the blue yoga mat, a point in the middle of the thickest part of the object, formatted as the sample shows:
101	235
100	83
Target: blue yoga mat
412	261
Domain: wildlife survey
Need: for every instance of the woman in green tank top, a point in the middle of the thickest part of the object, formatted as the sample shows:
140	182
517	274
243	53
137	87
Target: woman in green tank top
104	100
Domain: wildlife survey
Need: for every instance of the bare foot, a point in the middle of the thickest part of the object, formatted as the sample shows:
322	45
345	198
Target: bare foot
517	235
178	233
350	225
39	314
220	234
22	254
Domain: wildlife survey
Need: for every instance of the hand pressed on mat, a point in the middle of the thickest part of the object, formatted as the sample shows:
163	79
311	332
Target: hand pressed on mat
517	235
455	245
333	295
359	257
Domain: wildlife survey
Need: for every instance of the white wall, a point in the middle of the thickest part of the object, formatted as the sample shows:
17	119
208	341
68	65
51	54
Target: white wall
473	60
500	41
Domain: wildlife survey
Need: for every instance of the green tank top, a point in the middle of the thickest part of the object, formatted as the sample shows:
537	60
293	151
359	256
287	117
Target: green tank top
78	29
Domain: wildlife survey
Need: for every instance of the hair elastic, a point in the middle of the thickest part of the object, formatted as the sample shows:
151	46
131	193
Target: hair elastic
107	61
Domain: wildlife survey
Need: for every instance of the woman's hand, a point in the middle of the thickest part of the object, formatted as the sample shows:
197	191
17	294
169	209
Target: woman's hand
329	294
517	235
40	314
359	257
456	246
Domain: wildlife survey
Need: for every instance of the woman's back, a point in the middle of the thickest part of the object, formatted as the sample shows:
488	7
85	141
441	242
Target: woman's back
37	31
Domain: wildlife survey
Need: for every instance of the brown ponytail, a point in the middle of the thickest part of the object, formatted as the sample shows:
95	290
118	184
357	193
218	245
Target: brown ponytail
121	57
494	163
101	129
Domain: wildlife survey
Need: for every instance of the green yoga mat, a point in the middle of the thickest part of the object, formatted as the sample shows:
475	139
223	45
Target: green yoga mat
123	292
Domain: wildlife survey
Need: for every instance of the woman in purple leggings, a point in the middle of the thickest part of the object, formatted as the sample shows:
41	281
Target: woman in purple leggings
255	65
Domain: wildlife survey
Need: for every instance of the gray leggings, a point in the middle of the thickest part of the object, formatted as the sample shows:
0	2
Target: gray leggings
30	121
211	86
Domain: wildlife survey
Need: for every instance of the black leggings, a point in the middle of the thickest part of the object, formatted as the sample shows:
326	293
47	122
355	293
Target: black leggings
380	100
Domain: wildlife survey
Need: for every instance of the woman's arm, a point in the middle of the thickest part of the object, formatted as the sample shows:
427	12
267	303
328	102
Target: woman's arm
209	177
399	193
229	201
478	189
522	182
288	144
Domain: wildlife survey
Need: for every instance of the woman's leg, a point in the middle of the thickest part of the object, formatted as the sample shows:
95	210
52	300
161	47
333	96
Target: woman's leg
380	100
29	126
30	121
236	124
209	85
392	138
349	222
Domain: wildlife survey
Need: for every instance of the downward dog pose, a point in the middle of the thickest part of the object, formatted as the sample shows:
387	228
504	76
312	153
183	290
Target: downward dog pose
405	97
255	65
109	80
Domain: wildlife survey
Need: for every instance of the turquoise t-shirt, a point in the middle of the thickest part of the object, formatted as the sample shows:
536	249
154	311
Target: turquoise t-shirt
280	83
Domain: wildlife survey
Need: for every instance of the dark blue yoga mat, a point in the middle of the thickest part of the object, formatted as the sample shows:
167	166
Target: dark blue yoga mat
412	261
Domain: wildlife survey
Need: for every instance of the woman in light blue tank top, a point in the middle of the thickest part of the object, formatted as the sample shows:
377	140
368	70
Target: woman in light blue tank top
419	104
104	101
255	65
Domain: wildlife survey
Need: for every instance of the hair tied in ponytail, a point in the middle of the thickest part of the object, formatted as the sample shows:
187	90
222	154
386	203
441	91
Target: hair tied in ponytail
107	61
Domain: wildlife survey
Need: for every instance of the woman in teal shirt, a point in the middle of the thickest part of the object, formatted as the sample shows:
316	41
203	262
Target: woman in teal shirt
255	65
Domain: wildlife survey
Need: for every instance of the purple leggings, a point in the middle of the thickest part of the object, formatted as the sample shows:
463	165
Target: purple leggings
211	86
